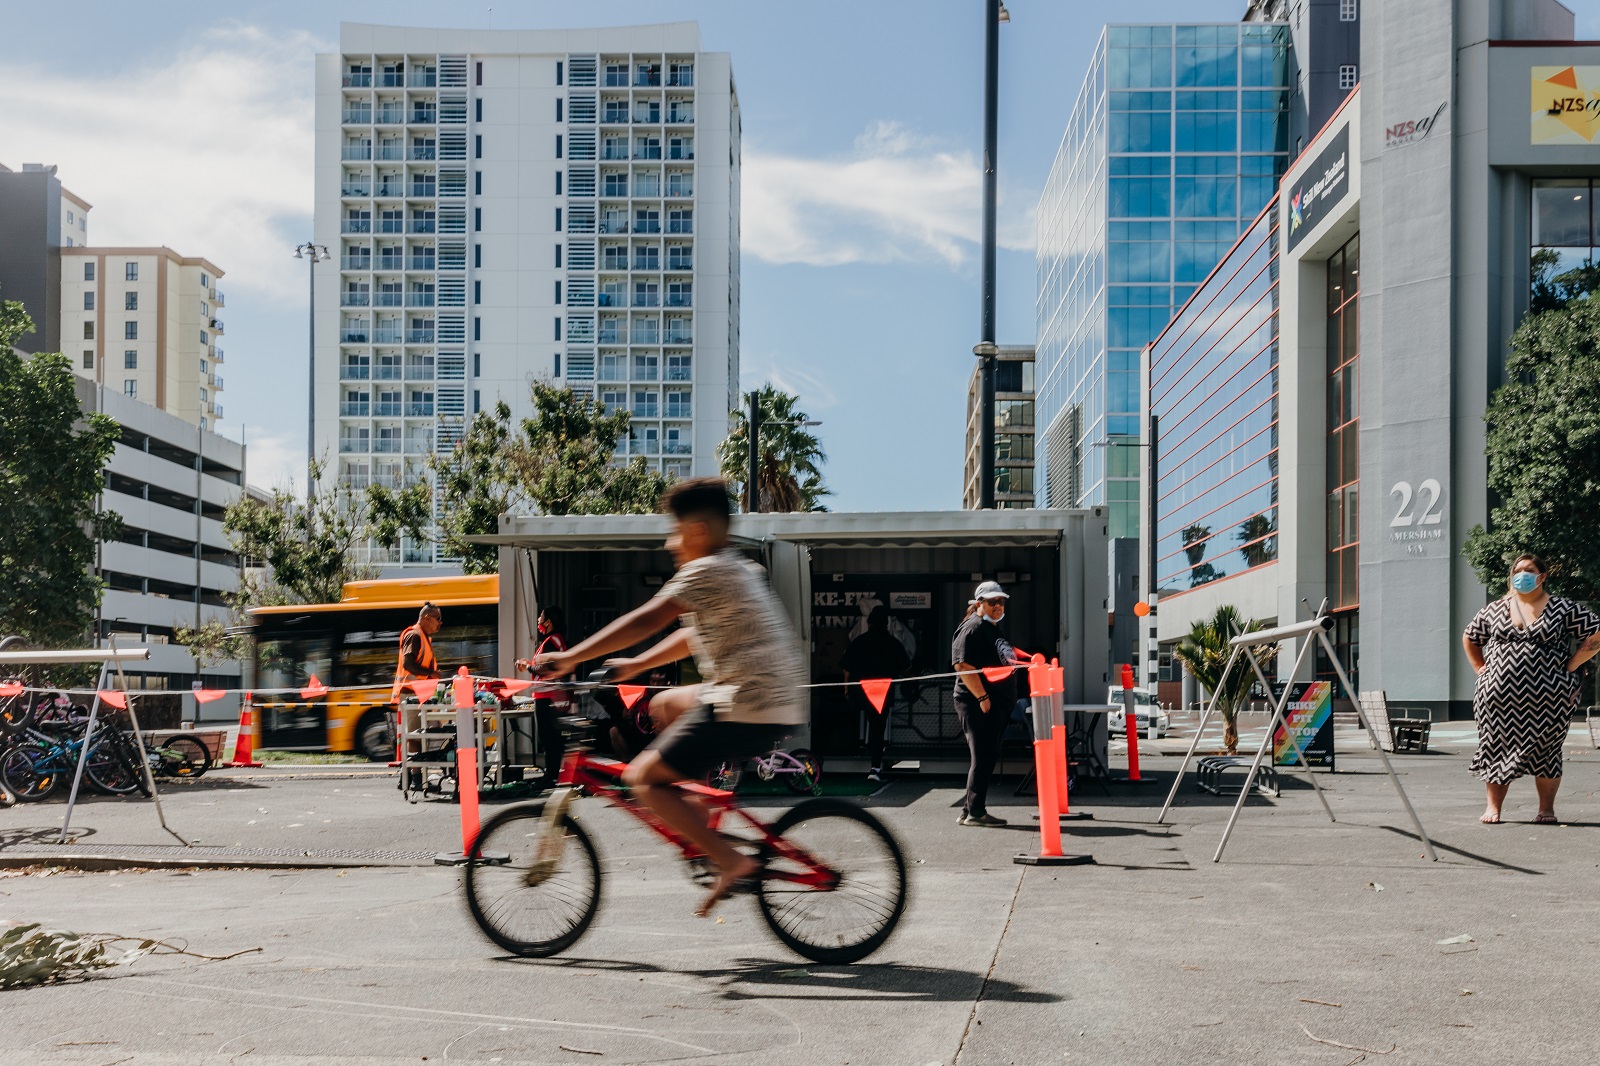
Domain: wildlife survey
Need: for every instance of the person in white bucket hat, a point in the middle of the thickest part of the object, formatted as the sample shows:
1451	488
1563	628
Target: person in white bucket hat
983	706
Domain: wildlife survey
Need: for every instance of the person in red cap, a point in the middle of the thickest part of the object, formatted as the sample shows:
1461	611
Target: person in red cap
983	706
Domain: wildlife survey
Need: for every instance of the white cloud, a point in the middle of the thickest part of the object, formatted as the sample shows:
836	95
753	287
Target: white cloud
207	150
274	459
897	196
762	368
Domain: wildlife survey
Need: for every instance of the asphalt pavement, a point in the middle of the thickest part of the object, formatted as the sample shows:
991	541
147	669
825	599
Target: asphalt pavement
1311	942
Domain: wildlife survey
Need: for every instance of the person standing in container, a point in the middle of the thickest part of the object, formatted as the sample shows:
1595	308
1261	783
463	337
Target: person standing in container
1521	648
983	706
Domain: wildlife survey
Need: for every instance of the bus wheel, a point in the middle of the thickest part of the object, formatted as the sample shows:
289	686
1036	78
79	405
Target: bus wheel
374	737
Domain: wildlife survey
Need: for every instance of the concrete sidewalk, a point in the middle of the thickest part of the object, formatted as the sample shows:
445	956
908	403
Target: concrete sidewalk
1154	954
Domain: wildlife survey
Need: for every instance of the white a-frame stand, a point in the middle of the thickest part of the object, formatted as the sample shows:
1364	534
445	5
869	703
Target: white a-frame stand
1244	645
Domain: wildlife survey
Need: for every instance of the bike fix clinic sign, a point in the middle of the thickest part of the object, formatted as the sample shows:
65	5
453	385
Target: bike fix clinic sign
1307	726
1566	105
1320	187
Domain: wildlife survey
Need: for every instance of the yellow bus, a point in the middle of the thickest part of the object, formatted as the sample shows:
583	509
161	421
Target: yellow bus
352	647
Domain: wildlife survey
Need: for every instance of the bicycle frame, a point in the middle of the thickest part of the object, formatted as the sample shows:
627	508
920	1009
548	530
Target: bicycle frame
583	772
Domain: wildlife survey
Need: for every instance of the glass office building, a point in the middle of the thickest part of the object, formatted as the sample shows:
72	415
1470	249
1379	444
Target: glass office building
1177	141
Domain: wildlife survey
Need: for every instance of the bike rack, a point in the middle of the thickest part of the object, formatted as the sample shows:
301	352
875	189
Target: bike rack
106	658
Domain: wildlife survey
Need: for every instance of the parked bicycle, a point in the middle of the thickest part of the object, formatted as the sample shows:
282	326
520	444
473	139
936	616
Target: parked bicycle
832	886
800	770
43	752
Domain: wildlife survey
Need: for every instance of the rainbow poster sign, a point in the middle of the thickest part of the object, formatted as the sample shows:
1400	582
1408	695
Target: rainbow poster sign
1307	727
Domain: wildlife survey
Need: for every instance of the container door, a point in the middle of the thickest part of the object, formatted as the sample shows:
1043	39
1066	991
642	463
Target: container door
789	570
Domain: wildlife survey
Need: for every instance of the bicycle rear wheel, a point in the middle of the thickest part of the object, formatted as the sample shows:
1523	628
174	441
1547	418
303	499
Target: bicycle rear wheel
183	756
542	900
110	769
809	781
850	917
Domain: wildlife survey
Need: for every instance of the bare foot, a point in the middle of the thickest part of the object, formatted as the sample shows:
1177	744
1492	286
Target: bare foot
726	882
1490	817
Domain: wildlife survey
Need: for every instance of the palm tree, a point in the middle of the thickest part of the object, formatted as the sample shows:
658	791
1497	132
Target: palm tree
791	456
1194	546
1205	652
1258	534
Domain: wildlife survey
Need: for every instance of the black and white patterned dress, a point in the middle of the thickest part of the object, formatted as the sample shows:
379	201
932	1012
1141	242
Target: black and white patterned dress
1525	694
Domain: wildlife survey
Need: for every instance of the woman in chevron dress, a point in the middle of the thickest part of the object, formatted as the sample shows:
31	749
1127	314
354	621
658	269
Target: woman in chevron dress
1521	647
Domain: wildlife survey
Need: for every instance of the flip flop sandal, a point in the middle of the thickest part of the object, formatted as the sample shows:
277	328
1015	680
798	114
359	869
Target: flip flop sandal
1544	819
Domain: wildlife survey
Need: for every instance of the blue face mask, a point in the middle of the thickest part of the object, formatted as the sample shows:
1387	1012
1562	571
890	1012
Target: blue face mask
1524	582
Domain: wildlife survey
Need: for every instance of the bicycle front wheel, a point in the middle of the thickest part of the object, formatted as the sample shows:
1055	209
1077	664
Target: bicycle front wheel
183	756
111	770
835	888
544	899
24	772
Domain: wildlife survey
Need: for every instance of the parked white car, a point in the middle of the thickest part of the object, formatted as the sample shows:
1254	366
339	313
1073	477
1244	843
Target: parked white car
1144	704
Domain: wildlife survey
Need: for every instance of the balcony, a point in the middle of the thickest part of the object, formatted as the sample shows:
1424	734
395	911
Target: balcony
608	299
647	78
678	373
680	299
391	151
419	445
391	116
680	118
680	262
391	299
679	190
647	152
391	225
615	117
425	116
391	189
616	79
352	336
426	190
423	79
647	264
680	225
423	225
608	152
426	151
419	299
357	152
679	336
679	410
647	225
677	447
645	188
353	445
613	336
647	446
387	372
650	116
684	78
644	335
647	299
391	262
387	446
218	299
608	225
419	336
355	262
420	410
355	190
216	355
387	336
354	408
354	482
356	116
420	262
355	299
387	408
354	372
391	79
680	152
358	81
357	225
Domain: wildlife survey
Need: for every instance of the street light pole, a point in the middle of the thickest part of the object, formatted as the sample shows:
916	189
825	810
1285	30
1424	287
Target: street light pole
316	253
994	13
752	485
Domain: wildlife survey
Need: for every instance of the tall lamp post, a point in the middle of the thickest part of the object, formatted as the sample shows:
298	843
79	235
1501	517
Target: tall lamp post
316	253
995	13
754	424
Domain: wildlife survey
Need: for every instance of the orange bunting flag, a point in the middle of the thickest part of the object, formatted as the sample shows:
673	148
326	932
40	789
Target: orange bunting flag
315	690
206	695
630	694
11	688
424	688
996	674
877	690
513	685
113	698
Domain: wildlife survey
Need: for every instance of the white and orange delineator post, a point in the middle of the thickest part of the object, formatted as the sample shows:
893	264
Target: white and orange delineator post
465	702
1048	773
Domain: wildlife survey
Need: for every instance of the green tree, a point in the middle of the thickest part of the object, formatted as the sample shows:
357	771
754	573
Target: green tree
309	547
1194	546
1204	652
1543	446
561	460
52	472
791	456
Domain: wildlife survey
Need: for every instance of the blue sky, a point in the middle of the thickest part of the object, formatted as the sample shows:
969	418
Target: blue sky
190	125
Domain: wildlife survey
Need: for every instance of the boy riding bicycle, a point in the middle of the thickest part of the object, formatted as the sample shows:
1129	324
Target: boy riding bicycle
734	627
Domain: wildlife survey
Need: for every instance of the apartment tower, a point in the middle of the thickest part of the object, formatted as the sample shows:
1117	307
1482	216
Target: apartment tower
513	205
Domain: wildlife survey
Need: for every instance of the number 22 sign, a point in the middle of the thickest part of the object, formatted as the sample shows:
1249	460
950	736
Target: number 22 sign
1429	500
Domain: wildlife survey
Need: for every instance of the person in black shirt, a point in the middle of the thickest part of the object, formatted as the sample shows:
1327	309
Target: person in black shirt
983	706
877	653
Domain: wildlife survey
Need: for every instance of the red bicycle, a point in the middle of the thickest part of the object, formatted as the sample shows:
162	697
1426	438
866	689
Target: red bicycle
832	884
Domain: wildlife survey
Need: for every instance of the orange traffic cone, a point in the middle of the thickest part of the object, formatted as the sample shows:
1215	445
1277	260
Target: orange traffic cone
244	748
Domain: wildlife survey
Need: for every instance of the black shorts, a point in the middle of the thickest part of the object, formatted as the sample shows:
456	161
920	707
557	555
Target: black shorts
698	742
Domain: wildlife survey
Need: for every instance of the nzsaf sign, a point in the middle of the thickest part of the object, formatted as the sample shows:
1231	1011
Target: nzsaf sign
1320	187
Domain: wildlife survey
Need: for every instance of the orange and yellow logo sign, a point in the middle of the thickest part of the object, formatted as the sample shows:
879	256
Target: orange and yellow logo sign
1566	105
